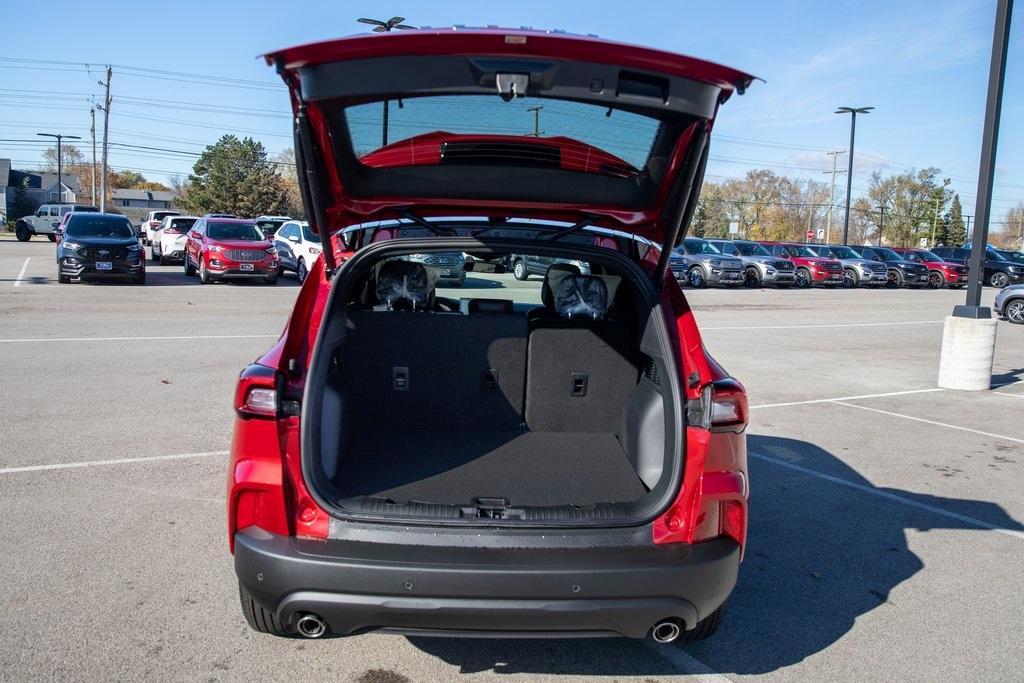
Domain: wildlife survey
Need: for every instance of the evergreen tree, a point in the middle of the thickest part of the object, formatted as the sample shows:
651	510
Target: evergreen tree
956	230
234	176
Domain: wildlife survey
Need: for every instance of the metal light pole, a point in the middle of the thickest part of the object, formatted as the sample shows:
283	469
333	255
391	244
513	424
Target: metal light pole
60	180
392	24
969	334
986	173
852	111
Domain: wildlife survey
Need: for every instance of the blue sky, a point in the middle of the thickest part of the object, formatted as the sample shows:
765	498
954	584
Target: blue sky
923	65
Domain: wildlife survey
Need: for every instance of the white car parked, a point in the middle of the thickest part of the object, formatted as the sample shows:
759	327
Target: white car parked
297	247
169	238
152	224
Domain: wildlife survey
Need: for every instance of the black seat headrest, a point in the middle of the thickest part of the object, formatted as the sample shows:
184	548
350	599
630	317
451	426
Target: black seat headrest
405	286
582	296
555	273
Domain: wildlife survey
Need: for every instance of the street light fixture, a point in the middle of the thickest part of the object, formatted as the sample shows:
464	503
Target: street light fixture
852	111
392	24
60	180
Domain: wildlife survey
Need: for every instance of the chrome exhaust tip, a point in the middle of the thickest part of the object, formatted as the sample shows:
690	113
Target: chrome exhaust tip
310	626
666	631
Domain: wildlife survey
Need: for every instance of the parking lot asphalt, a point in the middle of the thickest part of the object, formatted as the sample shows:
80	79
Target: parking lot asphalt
886	534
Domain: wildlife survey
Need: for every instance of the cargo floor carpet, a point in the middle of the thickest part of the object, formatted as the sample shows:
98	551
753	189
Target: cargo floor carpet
454	467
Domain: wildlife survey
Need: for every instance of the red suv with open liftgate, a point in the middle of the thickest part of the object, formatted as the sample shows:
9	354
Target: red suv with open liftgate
409	462
230	248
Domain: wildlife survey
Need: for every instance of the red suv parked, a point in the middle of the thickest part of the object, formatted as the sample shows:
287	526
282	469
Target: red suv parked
811	269
941	273
223	248
410	462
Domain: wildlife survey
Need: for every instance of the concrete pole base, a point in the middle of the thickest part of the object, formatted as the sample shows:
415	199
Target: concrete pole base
968	349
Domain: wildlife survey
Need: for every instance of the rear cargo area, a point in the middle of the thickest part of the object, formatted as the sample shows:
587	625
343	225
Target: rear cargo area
436	412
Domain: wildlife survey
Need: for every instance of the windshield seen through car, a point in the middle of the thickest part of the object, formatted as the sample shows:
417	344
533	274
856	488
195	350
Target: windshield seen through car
699	247
234	231
86	225
751	249
309	236
805	252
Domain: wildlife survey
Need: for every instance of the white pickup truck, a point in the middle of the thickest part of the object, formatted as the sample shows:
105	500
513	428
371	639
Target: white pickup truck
44	220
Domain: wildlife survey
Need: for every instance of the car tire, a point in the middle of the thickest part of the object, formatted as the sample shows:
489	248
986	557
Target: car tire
804	280
258	618
62	279
696	278
22	232
999	280
270	280
1014	311
705	628
51	237
189	269
204	276
851	279
896	279
752	277
519	270
301	271
936	280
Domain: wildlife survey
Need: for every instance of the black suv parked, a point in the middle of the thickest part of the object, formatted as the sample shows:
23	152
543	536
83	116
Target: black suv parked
902	273
100	245
999	270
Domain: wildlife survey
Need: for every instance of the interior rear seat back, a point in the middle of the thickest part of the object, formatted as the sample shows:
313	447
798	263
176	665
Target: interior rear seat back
580	371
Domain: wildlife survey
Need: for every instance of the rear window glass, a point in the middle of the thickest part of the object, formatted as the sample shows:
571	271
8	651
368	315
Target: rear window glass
309	236
182	223
523	131
160	215
234	231
86	225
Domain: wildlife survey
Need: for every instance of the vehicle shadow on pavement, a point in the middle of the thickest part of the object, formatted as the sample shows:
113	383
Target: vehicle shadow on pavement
1005	379
819	556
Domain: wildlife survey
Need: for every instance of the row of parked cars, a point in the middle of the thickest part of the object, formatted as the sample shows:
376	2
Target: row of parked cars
217	246
700	263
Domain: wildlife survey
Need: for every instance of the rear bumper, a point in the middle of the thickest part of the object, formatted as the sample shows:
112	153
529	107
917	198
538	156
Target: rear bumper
558	592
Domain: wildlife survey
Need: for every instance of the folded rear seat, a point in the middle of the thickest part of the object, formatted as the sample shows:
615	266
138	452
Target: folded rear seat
581	367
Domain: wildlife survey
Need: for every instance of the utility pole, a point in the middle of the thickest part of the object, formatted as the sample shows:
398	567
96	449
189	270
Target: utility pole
831	195
935	219
968	230
92	132
60	154
106	132
536	120
852	111
881	222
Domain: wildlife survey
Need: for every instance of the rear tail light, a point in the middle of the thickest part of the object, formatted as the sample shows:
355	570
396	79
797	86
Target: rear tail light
722	407
256	393
172	231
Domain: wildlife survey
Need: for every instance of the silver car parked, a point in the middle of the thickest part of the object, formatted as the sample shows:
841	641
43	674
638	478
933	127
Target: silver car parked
1010	303
699	263
856	270
760	267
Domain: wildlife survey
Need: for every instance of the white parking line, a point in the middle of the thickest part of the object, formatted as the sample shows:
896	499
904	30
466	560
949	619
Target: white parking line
931	422
21	274
864	488
1003	393
845	398
106	463
817	327
89	339
685	662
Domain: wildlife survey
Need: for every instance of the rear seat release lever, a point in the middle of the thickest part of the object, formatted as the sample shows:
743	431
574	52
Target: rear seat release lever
400	378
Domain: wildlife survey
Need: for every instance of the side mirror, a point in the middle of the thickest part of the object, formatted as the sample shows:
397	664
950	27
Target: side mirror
293	238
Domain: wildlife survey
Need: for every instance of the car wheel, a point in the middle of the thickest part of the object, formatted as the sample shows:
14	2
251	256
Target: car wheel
519	270
850	278
51	237
895	279
301	271
999	280
936	280
190	270
696	278
204	276
752	277
162	260
61	278
270	280
1015	311
259	619
706	627
22	232
803	278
